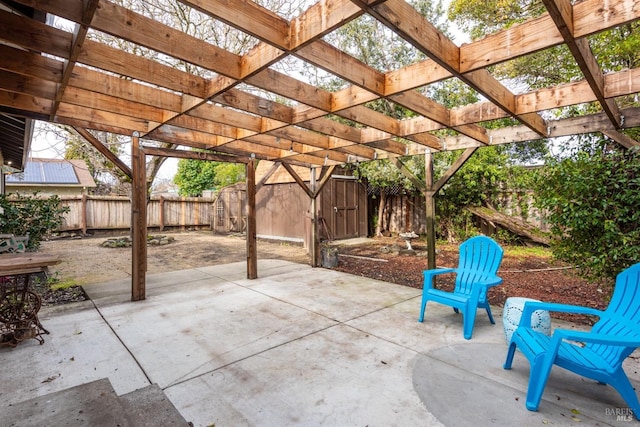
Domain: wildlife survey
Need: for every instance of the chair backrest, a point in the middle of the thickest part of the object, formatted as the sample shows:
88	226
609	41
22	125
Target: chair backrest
480	258
622	316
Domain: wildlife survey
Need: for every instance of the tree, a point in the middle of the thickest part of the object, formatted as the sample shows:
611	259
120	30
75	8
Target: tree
479	18
228	174
195	176
593	201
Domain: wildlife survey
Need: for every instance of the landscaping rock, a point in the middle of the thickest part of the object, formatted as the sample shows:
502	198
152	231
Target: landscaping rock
126	241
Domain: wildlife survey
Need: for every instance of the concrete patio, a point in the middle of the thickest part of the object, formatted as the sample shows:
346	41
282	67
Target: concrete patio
298	346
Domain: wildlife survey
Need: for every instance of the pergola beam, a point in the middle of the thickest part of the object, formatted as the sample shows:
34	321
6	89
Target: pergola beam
104	151
193	155
622	139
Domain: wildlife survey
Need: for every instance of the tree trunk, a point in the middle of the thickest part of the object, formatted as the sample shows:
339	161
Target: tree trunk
515	225
381	213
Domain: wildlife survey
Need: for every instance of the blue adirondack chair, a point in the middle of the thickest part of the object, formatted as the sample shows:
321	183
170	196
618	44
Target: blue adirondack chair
478	264
597	354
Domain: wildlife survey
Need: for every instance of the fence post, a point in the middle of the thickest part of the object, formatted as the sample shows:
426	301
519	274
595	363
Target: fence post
183	214
83	215
161	213
196	213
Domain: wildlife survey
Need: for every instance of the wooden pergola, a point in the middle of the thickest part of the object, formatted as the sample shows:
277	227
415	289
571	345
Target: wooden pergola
244	107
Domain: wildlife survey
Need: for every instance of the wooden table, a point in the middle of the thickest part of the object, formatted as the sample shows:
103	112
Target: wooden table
26	263
19	306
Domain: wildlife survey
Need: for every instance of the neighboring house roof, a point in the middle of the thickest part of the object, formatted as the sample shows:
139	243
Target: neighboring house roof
53	172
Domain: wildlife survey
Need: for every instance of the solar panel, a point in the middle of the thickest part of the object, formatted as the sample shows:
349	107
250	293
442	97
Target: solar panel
45	173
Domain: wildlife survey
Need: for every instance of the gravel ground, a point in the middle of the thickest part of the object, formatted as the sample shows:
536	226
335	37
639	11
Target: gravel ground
84	260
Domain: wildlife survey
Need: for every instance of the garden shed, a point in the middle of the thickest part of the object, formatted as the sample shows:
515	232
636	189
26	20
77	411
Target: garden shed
229	213
98	65
284	209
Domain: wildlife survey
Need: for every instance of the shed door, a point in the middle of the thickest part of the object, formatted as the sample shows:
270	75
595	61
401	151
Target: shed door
344	208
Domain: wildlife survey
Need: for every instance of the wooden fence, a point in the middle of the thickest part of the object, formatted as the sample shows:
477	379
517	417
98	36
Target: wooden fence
224	213
114	213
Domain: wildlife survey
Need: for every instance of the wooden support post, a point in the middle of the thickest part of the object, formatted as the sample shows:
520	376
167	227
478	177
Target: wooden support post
430	194
252	249
315	244
138	221
430	208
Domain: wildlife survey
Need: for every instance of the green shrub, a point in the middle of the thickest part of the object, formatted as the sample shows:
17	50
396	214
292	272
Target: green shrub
593	200
32	215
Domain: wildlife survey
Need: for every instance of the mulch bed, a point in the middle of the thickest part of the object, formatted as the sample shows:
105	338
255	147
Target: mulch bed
535	277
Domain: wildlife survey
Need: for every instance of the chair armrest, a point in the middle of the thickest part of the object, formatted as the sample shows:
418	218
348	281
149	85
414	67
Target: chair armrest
491	281
480	289
561	335
531	306
590	337
430	274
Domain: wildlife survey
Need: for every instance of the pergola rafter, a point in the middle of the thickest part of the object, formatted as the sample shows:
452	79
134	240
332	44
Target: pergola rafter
96	86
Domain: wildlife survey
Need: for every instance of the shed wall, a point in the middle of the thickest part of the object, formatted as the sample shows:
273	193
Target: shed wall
282	210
